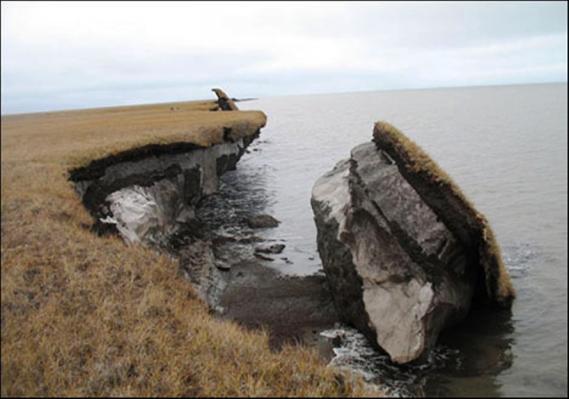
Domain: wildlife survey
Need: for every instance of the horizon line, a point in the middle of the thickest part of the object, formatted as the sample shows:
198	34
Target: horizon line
286	95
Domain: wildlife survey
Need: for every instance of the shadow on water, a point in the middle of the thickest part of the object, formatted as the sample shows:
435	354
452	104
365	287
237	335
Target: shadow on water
483	347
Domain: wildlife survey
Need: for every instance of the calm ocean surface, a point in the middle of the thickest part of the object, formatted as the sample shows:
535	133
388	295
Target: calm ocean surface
506	147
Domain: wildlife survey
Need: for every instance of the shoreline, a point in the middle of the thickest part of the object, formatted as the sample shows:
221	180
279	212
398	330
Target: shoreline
246	291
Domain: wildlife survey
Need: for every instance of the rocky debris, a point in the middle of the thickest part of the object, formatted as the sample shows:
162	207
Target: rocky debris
224	102
263	257
223	255
262	221
404	254
198	263
222	264
244	238
270	249
195	256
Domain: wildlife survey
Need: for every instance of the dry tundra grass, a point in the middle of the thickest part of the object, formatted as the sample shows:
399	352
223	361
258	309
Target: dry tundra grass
89	315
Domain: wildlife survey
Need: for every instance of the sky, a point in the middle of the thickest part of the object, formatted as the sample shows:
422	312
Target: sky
63	55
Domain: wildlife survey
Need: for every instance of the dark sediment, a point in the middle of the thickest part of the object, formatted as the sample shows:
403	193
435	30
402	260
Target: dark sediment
293	309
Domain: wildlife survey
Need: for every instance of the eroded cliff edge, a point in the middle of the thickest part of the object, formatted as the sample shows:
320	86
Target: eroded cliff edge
161	195
148	194
405	253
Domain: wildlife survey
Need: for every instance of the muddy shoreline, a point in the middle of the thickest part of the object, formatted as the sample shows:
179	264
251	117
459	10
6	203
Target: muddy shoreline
292	309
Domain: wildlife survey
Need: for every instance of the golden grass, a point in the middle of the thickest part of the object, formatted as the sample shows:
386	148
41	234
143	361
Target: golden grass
415	160
74	138
89	315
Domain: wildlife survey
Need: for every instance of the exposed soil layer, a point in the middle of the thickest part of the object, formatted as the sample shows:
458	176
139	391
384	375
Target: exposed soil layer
96	168
191	170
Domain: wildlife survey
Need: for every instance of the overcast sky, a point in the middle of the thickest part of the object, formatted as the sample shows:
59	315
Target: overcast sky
65	55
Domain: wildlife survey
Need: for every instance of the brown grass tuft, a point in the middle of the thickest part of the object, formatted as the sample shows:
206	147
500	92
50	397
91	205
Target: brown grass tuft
88	315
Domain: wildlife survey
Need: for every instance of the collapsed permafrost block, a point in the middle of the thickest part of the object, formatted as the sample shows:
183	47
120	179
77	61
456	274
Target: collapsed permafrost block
404	252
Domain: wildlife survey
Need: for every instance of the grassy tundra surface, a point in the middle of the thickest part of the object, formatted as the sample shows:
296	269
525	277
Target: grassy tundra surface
89	315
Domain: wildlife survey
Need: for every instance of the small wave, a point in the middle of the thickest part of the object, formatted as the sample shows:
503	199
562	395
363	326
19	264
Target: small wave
354	353
519	258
